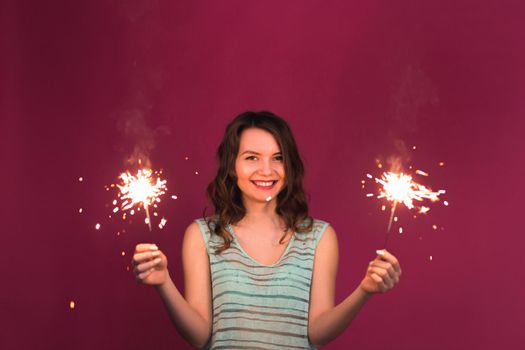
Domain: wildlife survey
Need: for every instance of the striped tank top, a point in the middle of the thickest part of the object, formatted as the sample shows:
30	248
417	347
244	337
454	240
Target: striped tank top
256	306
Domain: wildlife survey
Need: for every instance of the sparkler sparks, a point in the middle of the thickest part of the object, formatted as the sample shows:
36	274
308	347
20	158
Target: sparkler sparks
424	210
162	223
142	189
400	188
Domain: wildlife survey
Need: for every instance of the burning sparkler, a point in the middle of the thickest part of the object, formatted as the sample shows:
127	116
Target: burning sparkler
143	189
400	188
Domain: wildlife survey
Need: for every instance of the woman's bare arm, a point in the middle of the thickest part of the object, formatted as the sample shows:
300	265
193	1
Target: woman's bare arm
191	314
327	322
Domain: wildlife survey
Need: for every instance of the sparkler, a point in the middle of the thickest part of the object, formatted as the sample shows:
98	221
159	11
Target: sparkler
142	189
400	188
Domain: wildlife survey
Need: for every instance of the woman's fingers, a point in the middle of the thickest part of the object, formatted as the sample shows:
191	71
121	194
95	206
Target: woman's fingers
384	271
147	265
144	274
141	257
142	247
388	267
386	256
145	252
382	274
381	285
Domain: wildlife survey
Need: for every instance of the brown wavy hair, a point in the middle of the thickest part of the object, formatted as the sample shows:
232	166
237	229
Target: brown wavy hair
225	195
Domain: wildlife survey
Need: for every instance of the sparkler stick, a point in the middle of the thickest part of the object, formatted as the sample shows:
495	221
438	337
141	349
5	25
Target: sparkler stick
147	216
392	211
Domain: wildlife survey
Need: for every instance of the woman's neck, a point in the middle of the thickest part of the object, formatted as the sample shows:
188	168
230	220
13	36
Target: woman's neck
261	215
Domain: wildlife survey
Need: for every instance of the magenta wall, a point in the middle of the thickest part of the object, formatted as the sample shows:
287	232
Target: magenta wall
353	79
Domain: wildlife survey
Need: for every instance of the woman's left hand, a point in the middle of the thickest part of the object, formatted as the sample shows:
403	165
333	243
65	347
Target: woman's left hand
382	274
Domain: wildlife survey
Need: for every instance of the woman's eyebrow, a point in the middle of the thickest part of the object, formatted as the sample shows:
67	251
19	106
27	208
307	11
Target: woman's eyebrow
258	154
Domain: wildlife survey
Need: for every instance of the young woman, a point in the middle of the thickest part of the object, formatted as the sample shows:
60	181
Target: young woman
260	273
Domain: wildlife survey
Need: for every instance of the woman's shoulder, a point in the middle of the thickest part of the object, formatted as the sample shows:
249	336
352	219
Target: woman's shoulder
207	227
208	220
312	229
206	224
311	224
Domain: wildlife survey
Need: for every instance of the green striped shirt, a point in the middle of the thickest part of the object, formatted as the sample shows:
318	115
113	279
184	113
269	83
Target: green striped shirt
256	306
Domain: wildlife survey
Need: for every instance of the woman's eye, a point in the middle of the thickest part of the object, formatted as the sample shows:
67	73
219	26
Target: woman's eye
278	158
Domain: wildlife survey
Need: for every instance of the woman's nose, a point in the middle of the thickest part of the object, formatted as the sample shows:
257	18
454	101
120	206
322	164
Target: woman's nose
265	167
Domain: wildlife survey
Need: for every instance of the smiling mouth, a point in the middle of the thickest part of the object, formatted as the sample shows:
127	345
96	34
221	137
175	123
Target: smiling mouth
264	185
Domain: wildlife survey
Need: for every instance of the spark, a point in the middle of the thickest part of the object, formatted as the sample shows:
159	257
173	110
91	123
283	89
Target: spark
424	210
140	190
400	188
97	226
174	197
80	210
269	198
123	253
162	223
71	304
80	179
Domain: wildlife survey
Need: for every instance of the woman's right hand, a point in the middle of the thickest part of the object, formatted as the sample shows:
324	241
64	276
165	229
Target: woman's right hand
150	265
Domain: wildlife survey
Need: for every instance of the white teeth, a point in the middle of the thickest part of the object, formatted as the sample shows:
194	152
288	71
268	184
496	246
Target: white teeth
264	184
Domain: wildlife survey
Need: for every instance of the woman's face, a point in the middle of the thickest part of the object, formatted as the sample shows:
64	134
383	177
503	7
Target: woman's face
259	166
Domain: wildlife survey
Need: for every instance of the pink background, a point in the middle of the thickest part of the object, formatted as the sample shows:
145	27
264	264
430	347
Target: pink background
353	78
